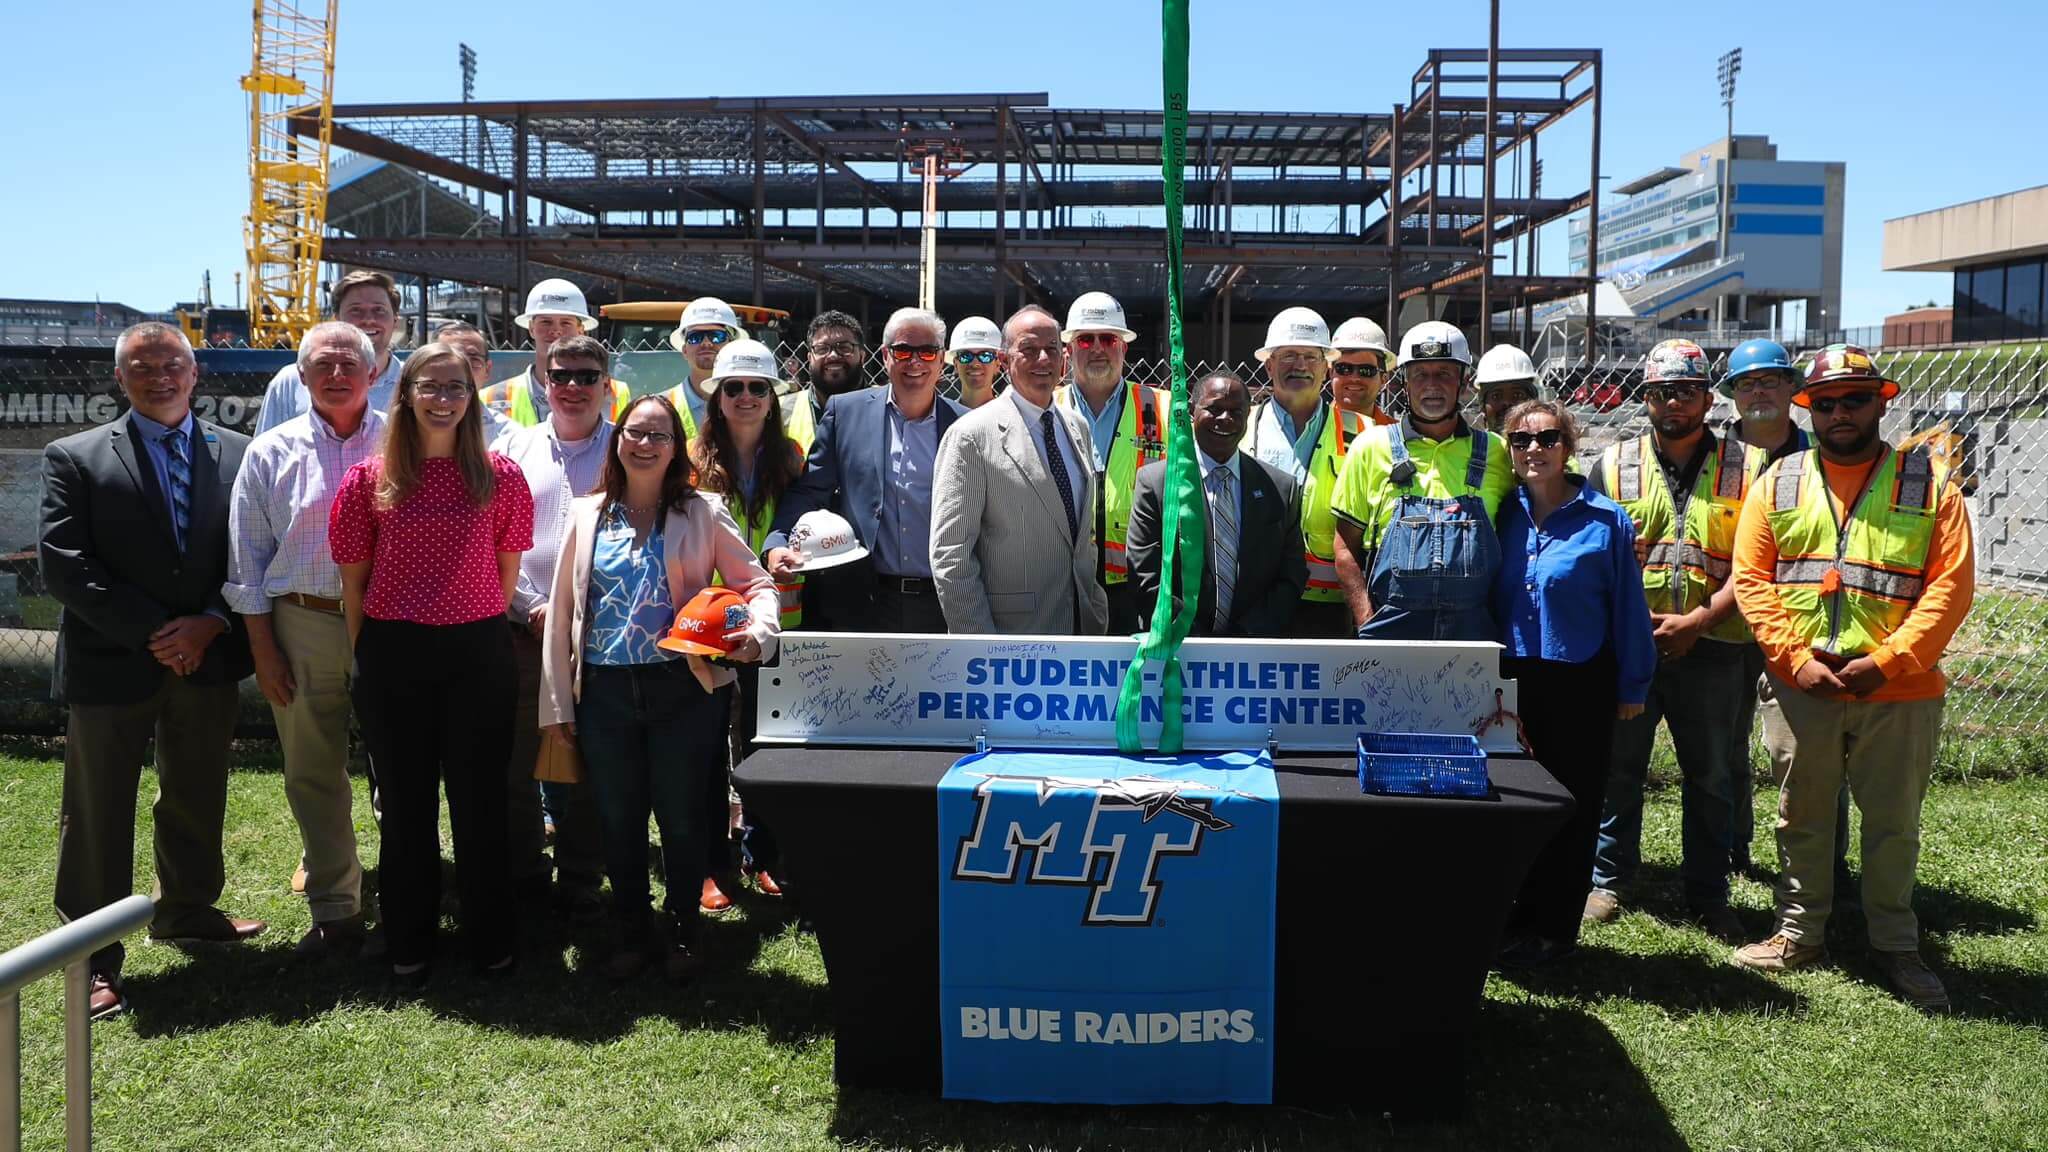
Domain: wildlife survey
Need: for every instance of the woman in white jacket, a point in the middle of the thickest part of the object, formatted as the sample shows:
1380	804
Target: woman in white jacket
646	719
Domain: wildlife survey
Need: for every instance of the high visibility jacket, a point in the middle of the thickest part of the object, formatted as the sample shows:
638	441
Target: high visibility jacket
1754	460
513	399
680	397
1140	439
1689	552
800	419
1850	583
1318	522
791	594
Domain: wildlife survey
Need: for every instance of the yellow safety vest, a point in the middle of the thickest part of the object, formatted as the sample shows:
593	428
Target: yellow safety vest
1687	562
799	421
680	397
1140	439
756	531
1850	583
1318	522
513	399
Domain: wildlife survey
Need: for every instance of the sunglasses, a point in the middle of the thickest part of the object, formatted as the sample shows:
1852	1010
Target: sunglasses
1091	339
712	336
925	352
1547	438
1362	371
1667	393
581	377
981	357
1849	402
754	388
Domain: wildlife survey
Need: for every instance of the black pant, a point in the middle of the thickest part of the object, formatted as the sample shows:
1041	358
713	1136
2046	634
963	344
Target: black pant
757	840
1567	715
436	706
1123	609
1323	620
900	611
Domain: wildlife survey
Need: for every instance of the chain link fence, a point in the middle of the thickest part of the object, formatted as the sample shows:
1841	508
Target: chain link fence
1984	407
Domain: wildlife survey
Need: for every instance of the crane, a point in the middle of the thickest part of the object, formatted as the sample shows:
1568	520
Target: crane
292	77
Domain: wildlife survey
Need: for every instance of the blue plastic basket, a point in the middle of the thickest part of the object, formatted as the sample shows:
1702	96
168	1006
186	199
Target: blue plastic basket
1421	764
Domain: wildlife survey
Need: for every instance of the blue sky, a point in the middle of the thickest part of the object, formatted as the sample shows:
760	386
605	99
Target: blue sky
126	133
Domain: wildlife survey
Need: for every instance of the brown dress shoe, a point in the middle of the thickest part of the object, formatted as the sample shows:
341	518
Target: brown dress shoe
1915	983
213	928
625	964
767	884
1780	953
712	899
106	998
331	936
1602	906
680	964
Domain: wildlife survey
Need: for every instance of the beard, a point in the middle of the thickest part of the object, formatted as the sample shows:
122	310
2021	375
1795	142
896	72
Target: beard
1857	440
834	379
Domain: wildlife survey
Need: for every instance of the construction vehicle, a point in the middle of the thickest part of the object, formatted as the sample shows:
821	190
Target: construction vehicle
645	324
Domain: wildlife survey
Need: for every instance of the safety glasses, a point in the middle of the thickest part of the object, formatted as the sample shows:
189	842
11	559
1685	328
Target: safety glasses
711	336
927	353
580	377
1091	339
1547	438
984	356
1847	402
755	388
1673	393
1362	371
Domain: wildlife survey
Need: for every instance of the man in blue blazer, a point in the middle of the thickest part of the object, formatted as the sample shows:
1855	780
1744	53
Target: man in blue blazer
872	463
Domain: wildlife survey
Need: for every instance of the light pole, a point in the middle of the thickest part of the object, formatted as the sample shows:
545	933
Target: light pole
1731	66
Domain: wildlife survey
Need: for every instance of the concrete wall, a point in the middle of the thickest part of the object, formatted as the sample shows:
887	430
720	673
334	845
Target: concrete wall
1980	231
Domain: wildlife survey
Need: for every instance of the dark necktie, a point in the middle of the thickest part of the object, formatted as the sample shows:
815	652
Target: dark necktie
1223	549
1058	467
179	470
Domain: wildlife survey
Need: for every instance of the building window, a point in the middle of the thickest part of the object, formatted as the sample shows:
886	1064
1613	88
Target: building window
1989	289
1965	314
2023	300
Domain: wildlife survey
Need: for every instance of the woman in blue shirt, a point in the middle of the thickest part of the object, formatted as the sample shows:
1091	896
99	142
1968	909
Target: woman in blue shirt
1570	606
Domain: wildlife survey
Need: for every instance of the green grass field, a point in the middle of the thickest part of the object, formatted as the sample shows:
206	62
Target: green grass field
1648	1039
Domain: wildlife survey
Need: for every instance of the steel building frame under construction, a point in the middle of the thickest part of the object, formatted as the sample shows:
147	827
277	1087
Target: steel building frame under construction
808	202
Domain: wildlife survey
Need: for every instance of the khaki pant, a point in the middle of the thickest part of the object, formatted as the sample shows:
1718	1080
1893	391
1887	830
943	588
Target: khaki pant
1885	750
313	734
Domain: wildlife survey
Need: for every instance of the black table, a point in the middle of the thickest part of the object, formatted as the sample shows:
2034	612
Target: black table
1390	909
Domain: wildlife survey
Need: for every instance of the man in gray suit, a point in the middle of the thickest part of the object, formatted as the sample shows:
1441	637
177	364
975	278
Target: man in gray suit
1012	546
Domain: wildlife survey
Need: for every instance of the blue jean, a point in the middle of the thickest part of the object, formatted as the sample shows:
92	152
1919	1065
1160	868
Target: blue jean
650	734
1433	573
1698	696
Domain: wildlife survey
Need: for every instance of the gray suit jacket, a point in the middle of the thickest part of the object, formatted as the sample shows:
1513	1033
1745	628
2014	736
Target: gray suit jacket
1002	555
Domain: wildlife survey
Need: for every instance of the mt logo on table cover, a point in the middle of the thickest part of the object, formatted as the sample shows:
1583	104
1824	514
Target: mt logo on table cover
1080	831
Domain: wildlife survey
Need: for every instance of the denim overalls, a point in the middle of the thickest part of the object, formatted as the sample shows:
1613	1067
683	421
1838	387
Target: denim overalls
1433	573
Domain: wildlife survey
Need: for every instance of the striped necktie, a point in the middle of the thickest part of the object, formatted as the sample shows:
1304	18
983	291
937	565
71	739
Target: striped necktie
1223	549
179	468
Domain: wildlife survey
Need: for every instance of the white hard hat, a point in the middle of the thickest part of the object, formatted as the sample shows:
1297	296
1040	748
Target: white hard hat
1505	364
745	359
1359	334
556	297
1435	340
1096	312
702	312
1296	327
825	539
976	332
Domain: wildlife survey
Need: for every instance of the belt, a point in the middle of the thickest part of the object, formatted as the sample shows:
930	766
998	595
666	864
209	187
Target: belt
907	585
316	603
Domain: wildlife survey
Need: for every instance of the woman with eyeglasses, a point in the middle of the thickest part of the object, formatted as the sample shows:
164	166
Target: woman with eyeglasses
744	457
1569	602
647	720
428	537
976	351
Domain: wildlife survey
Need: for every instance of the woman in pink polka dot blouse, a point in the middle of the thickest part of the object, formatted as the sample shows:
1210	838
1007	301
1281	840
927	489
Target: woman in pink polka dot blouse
428	538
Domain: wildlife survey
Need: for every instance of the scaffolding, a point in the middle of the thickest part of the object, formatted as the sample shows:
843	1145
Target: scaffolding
291	89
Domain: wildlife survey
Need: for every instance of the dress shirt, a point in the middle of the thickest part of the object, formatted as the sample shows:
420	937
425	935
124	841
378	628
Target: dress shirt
1034	415
1571	587
557	471
287	397
1102	425
1233	491
904	547
1275	439
1236	477
277	519
152	434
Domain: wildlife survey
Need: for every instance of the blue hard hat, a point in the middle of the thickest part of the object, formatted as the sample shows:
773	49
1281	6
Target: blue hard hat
1755	356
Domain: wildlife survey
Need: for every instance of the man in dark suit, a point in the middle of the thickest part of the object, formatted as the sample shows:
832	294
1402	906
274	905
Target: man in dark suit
134	545
1254	536
872	462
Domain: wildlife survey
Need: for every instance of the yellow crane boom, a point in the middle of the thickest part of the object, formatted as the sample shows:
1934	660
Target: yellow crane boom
292	74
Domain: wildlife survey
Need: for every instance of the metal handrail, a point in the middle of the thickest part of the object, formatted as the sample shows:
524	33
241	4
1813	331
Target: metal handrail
70	948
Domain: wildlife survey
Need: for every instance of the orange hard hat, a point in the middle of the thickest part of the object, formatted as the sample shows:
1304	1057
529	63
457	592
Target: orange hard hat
702	624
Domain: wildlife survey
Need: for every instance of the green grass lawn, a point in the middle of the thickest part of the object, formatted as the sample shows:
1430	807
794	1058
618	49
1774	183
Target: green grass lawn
1649	1039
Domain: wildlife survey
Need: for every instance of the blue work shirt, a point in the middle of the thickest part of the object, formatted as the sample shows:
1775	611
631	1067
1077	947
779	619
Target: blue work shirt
1102	425
152	434
1571	587
904	548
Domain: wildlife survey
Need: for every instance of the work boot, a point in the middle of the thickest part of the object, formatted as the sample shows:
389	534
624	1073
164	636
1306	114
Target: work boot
1914	982
1721	923
1780	953
1602	905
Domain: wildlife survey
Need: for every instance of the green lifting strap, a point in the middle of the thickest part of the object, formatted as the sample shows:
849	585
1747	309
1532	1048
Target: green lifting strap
1184	527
